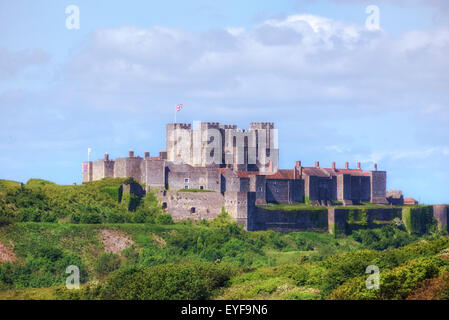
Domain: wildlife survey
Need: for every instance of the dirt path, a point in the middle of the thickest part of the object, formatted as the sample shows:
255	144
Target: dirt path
115	241
6	254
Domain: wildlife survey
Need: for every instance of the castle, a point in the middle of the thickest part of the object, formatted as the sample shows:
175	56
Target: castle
240	168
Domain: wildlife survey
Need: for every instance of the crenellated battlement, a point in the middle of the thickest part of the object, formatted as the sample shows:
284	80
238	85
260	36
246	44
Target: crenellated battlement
261	125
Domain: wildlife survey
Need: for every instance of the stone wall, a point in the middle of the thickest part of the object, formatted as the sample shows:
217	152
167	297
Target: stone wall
278	191
257	184
344	220
231	182
239	206
296	191
184	175
360	189
155	173
440	213
87	171
288	221
379	187
213	180
320	188
192	205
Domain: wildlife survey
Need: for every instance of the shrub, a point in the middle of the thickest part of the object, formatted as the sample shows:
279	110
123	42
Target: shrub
383	238
114	217
432	289
115	192
418	220
164	218
165	282
106	263
90	218
5	221
394	284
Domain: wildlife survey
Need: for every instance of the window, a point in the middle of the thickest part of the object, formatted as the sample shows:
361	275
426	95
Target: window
192	210
186	180
201	187
186	187
164	205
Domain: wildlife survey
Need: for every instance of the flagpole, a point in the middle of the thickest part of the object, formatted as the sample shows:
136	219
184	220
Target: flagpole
176	111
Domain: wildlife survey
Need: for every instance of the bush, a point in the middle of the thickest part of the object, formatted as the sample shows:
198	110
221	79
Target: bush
164	282
29	215
5	221
91	218
418	220
394	284
115	192
164	218
43	267
115	217
106	263
384	238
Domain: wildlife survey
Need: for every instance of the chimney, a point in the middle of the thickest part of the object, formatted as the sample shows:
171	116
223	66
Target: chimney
131	154
298	170
317	164
147	154
359	166
346	165
333	165
375	167
106	156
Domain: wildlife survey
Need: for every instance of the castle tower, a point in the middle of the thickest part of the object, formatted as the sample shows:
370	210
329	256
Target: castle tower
210	144
266	146
179	142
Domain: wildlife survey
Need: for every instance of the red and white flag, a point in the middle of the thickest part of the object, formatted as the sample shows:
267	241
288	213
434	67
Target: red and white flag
179	107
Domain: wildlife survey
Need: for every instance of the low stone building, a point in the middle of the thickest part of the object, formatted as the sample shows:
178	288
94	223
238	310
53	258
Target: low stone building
410	201
395	197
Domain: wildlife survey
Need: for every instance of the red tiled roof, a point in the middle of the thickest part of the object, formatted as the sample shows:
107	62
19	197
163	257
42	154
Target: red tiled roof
281	174
410	200
246	174
352	172
313	171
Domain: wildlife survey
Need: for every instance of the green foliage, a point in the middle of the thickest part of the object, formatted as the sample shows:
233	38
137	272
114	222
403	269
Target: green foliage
307	201
383	238
394	284
418	219
115	192
129	180
329	274
164	218
106	263
90	203
5	221
165	282
298	207
44	266
38	182
131	201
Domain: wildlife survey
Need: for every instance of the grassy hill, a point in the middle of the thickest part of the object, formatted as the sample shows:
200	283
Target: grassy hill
135	251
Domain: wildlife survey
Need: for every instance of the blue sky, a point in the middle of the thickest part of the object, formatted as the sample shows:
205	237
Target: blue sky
335	90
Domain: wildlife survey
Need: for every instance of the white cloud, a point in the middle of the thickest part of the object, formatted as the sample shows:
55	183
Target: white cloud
299	59
12	62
